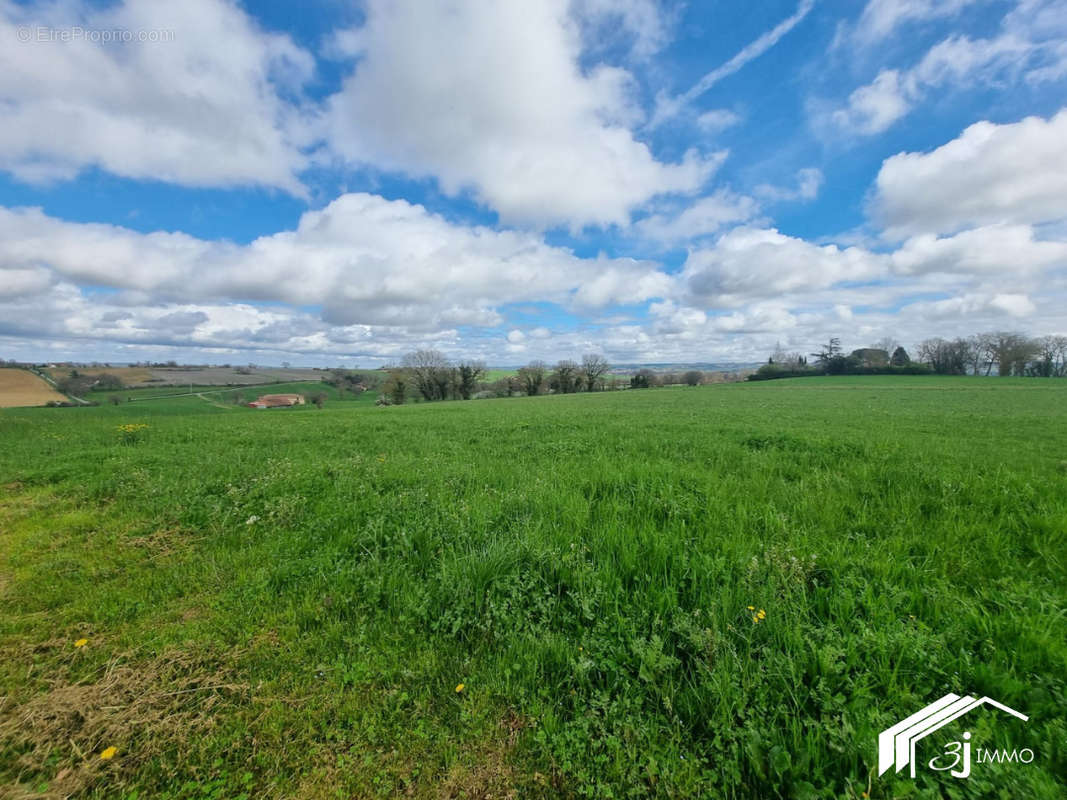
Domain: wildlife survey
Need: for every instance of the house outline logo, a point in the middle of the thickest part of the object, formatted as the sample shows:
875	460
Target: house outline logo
896	744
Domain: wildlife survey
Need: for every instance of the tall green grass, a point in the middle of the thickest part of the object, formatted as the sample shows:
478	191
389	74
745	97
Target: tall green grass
584	565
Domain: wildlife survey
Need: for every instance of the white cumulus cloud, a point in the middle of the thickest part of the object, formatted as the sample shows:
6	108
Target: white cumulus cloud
991	174
204	107
491	97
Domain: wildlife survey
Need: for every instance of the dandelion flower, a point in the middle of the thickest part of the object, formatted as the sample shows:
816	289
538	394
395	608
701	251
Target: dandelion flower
81	643
460	687
751	608
108	753
761	614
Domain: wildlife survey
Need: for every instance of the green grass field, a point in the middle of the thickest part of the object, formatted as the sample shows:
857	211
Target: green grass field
284	604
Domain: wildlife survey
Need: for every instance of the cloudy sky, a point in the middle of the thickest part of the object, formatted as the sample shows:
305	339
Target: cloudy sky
342	182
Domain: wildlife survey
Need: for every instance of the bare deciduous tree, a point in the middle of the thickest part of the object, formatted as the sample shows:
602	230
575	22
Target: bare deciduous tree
1050	357
431	373
946	357
1010	351
887	343
593	368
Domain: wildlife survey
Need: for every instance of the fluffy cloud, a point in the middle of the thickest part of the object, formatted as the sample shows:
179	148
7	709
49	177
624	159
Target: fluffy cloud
751	263
703	217
717	120
203	107
641	22
510	103
1015	173
1031	45
809	180
971	305
881	18
1000	250
24	282
876	106
675	222
363	259
492	98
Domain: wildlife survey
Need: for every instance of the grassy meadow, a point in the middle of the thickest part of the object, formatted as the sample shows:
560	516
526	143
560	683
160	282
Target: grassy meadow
543	597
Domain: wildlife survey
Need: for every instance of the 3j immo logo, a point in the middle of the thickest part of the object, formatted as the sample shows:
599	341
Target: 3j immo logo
897	744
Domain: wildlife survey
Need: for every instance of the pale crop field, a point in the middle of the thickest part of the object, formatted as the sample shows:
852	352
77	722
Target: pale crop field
18	387
131	376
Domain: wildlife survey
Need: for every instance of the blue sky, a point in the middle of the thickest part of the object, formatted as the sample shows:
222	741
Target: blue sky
654	181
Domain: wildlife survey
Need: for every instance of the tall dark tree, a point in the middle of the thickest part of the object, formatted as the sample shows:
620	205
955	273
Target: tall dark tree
643	379
829	350
467	374
396	387
831	358
564	378
532	377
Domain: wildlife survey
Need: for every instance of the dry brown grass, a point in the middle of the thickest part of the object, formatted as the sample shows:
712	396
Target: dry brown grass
143	707
19	387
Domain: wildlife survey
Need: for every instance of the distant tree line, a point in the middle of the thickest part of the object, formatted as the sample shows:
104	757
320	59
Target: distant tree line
1004	353
429	375
998	352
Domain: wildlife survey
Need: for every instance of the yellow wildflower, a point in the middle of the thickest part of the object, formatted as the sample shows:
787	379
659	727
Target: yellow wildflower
81	643
108	753
460	687
761	614
751	608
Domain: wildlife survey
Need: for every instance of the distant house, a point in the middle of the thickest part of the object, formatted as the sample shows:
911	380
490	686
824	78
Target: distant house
277	401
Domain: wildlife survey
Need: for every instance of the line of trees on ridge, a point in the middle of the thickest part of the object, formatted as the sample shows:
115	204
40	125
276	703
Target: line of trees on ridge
428	375
1004	353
